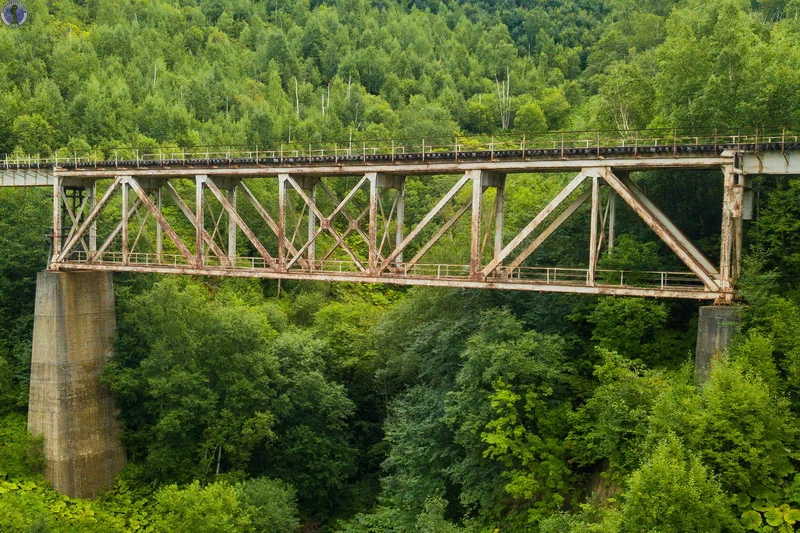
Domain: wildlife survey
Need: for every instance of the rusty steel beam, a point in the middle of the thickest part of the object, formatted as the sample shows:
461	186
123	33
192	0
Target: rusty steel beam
593	251
424	222
125	218
669	226
354	224
676	245
612	221
326	222
666	162
369	261
226	205
475	224
86	223
549	230
537	220
115	232
268	220
192	218
598	289
184	251
439	233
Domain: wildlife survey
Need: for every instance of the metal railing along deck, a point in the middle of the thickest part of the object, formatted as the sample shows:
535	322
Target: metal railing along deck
636	143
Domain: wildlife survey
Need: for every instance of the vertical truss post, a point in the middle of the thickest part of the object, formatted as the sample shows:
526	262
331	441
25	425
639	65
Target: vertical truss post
475	247
232	226
125	188
401	213
282	179
499	209
312	227
199	225
727	235
373	221
91	201
56	216
742	183
159	229
593	230
612	218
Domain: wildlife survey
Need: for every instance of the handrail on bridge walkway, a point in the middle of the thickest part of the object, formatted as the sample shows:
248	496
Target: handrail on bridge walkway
517	145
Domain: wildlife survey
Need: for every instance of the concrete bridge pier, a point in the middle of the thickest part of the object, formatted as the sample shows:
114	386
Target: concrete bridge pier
73	337
715	330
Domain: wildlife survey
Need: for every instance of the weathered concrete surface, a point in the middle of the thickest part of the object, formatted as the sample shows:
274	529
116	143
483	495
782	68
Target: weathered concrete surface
73	337
716	328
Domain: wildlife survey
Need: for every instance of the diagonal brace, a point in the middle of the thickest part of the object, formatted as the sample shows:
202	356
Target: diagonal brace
679	247
425	220
544	235
537	220
239	222
222	256
89	219
162	222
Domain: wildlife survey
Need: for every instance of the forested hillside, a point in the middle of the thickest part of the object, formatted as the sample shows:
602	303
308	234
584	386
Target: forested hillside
250	405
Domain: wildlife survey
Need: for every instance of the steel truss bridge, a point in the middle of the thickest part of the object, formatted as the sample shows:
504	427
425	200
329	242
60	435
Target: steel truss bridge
192	211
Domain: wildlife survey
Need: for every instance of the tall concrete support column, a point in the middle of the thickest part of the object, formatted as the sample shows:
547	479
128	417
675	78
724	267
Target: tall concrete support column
73	337
716	328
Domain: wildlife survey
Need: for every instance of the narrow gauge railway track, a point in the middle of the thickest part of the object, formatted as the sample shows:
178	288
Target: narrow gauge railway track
272	159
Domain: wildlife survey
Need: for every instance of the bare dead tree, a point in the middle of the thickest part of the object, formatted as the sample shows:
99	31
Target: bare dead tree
504	100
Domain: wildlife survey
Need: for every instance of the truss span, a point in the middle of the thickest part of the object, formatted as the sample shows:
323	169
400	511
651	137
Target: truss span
318	226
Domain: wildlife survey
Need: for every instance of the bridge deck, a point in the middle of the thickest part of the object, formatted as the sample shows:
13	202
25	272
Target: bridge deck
125	214
767	155
663	284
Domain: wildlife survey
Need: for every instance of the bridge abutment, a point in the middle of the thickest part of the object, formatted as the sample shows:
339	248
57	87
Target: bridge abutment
715	330
73	337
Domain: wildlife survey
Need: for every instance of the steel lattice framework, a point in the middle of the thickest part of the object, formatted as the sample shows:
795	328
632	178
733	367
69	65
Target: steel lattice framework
337	213
195	218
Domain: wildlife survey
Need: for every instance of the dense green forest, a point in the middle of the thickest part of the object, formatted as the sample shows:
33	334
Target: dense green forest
252	406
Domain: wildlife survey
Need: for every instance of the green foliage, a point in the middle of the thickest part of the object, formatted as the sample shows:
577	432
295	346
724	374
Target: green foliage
409	411
508	412
530	118
196	509
269	504
672	493
742	430
194	380
208	387
612	425
630	326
